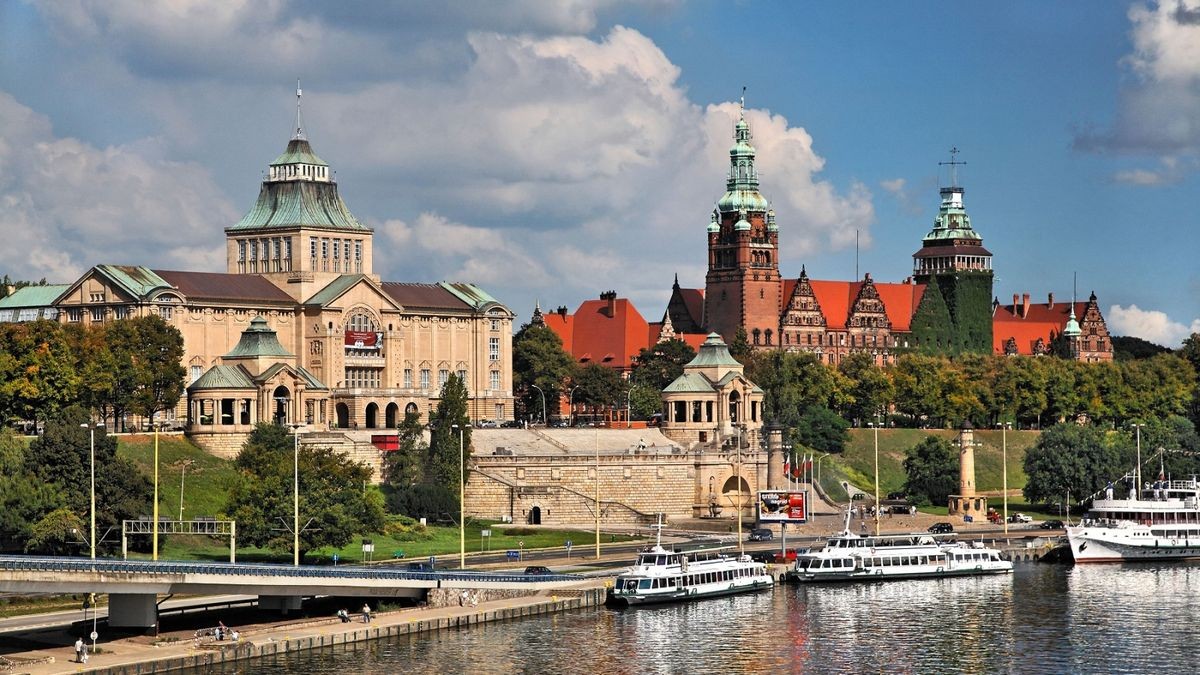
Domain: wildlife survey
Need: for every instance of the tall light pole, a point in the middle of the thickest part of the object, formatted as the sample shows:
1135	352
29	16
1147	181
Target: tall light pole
628	408
1138	488
91	427
462	499
182	475
1004	459
154	535
819	467
295	493
543	402
875	425
572	404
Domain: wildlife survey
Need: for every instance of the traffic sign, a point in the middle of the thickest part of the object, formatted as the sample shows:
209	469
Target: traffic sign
94	636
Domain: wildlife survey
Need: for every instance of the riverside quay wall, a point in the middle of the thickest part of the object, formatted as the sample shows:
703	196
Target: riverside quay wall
634	485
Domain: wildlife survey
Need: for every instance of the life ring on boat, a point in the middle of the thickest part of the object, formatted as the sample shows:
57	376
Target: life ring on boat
1174	542
872	550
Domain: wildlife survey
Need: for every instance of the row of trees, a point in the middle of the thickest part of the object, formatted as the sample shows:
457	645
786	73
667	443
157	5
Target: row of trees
130	366
45	487
934	391
1070	462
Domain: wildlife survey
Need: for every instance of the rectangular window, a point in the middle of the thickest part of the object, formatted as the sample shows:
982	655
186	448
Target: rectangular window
408	378
495	324
197	371
337	249
97	297
241	250
253	249
74	315
312	246
121	312
165	312
494	380
324	248
278	248
97	314
424	378
462	377
494	349
443	375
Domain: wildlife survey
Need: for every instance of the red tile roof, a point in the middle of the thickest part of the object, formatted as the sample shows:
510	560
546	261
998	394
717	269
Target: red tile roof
1040	321
693	299
836	298
563	326
610	339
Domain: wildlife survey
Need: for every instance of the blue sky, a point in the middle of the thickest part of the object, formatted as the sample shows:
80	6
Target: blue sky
554	150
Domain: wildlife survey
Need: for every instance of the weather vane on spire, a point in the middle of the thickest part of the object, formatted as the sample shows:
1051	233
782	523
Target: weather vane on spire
299	125
953	164
743	98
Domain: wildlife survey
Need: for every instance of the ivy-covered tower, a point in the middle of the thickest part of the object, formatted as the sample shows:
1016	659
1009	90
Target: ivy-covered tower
742	287
955	313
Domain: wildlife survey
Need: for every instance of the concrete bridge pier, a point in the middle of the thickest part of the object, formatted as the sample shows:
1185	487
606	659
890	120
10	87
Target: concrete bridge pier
132	610
283	603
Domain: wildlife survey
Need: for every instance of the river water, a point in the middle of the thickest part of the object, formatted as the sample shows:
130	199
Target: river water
1042	619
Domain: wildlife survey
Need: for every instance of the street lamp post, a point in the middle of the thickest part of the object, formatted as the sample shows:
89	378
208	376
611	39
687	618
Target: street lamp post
1138	487
875	425
543	402
628	408
819	467
154	535
572	404
462	498
91	427
295	493
597	514
1004	460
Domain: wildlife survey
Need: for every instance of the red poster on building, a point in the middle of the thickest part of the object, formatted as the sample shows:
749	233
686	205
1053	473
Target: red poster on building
363	339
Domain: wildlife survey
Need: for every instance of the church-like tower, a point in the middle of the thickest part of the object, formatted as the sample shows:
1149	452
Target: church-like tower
742	287
299	234
958	271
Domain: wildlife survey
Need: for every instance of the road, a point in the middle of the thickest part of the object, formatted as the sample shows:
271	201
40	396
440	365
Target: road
69	616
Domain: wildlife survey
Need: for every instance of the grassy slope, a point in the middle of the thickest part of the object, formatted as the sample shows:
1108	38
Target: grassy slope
858	461
206	485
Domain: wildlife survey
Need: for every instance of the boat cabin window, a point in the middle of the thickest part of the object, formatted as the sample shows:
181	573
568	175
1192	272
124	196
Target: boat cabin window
644	583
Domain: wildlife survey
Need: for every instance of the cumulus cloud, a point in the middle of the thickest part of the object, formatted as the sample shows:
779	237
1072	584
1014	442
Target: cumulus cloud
546	156
68	205
1149	324
1159	108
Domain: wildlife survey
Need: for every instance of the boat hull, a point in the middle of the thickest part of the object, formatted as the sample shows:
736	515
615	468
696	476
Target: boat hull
882	575
1101	545
685	595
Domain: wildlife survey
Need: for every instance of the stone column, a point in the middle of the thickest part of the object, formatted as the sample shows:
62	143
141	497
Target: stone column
966	465
774	456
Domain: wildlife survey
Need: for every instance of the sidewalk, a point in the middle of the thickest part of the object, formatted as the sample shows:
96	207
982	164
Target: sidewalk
142	654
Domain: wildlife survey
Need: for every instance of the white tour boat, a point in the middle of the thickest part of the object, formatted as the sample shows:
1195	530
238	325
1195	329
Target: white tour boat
661	575
1162	523
851	557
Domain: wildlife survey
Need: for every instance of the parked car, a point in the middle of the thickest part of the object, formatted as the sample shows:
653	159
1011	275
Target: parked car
538	570
941	528
419	567
761	534
1019	518
994	516
1051	525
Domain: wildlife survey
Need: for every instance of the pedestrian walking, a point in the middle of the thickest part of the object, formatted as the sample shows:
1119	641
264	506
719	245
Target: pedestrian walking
78	650
84	655
366	612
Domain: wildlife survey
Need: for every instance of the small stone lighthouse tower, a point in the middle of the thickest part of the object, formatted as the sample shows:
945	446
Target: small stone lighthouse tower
967	502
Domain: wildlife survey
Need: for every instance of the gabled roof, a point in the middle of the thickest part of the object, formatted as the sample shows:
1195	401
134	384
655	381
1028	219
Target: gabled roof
690	383
310	380
474	296
837	297
138	282
1042	320
339	286
229	287
611	340
223	377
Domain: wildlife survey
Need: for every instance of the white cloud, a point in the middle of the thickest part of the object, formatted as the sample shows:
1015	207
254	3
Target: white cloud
1148	324
1159	108
68	205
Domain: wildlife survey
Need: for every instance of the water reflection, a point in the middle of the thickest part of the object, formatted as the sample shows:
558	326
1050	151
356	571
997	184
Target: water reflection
1041	619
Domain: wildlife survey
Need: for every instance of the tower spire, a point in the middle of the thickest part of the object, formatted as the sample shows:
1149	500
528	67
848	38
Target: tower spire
299	135
953	164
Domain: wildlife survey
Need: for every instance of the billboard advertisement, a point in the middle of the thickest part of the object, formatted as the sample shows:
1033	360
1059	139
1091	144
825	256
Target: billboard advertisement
363	339
783	506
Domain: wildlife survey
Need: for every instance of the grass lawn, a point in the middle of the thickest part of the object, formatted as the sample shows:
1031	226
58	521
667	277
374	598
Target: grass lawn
205	483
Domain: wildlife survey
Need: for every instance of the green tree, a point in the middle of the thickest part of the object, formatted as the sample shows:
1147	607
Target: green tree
869	388
600	386
821	429
24	499
1190	351
740	348
1073	458
57	533
539	359
931	468
405	466
443	465
158	360
336	503
659	364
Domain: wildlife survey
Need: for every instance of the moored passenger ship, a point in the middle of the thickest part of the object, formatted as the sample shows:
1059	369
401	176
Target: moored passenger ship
661	575
1160	523
850	557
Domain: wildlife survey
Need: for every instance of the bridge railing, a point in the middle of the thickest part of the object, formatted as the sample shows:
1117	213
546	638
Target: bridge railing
55	564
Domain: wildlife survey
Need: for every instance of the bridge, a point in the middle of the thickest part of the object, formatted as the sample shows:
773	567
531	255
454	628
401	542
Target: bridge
133	586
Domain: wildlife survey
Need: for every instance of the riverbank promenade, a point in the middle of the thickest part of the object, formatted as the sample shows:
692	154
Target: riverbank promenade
182	649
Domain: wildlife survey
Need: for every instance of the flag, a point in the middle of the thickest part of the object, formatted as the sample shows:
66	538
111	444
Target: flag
786	465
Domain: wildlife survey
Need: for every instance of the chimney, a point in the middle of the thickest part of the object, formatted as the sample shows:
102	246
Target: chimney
562	311
610	306
1024	305
1016	305
1050	301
